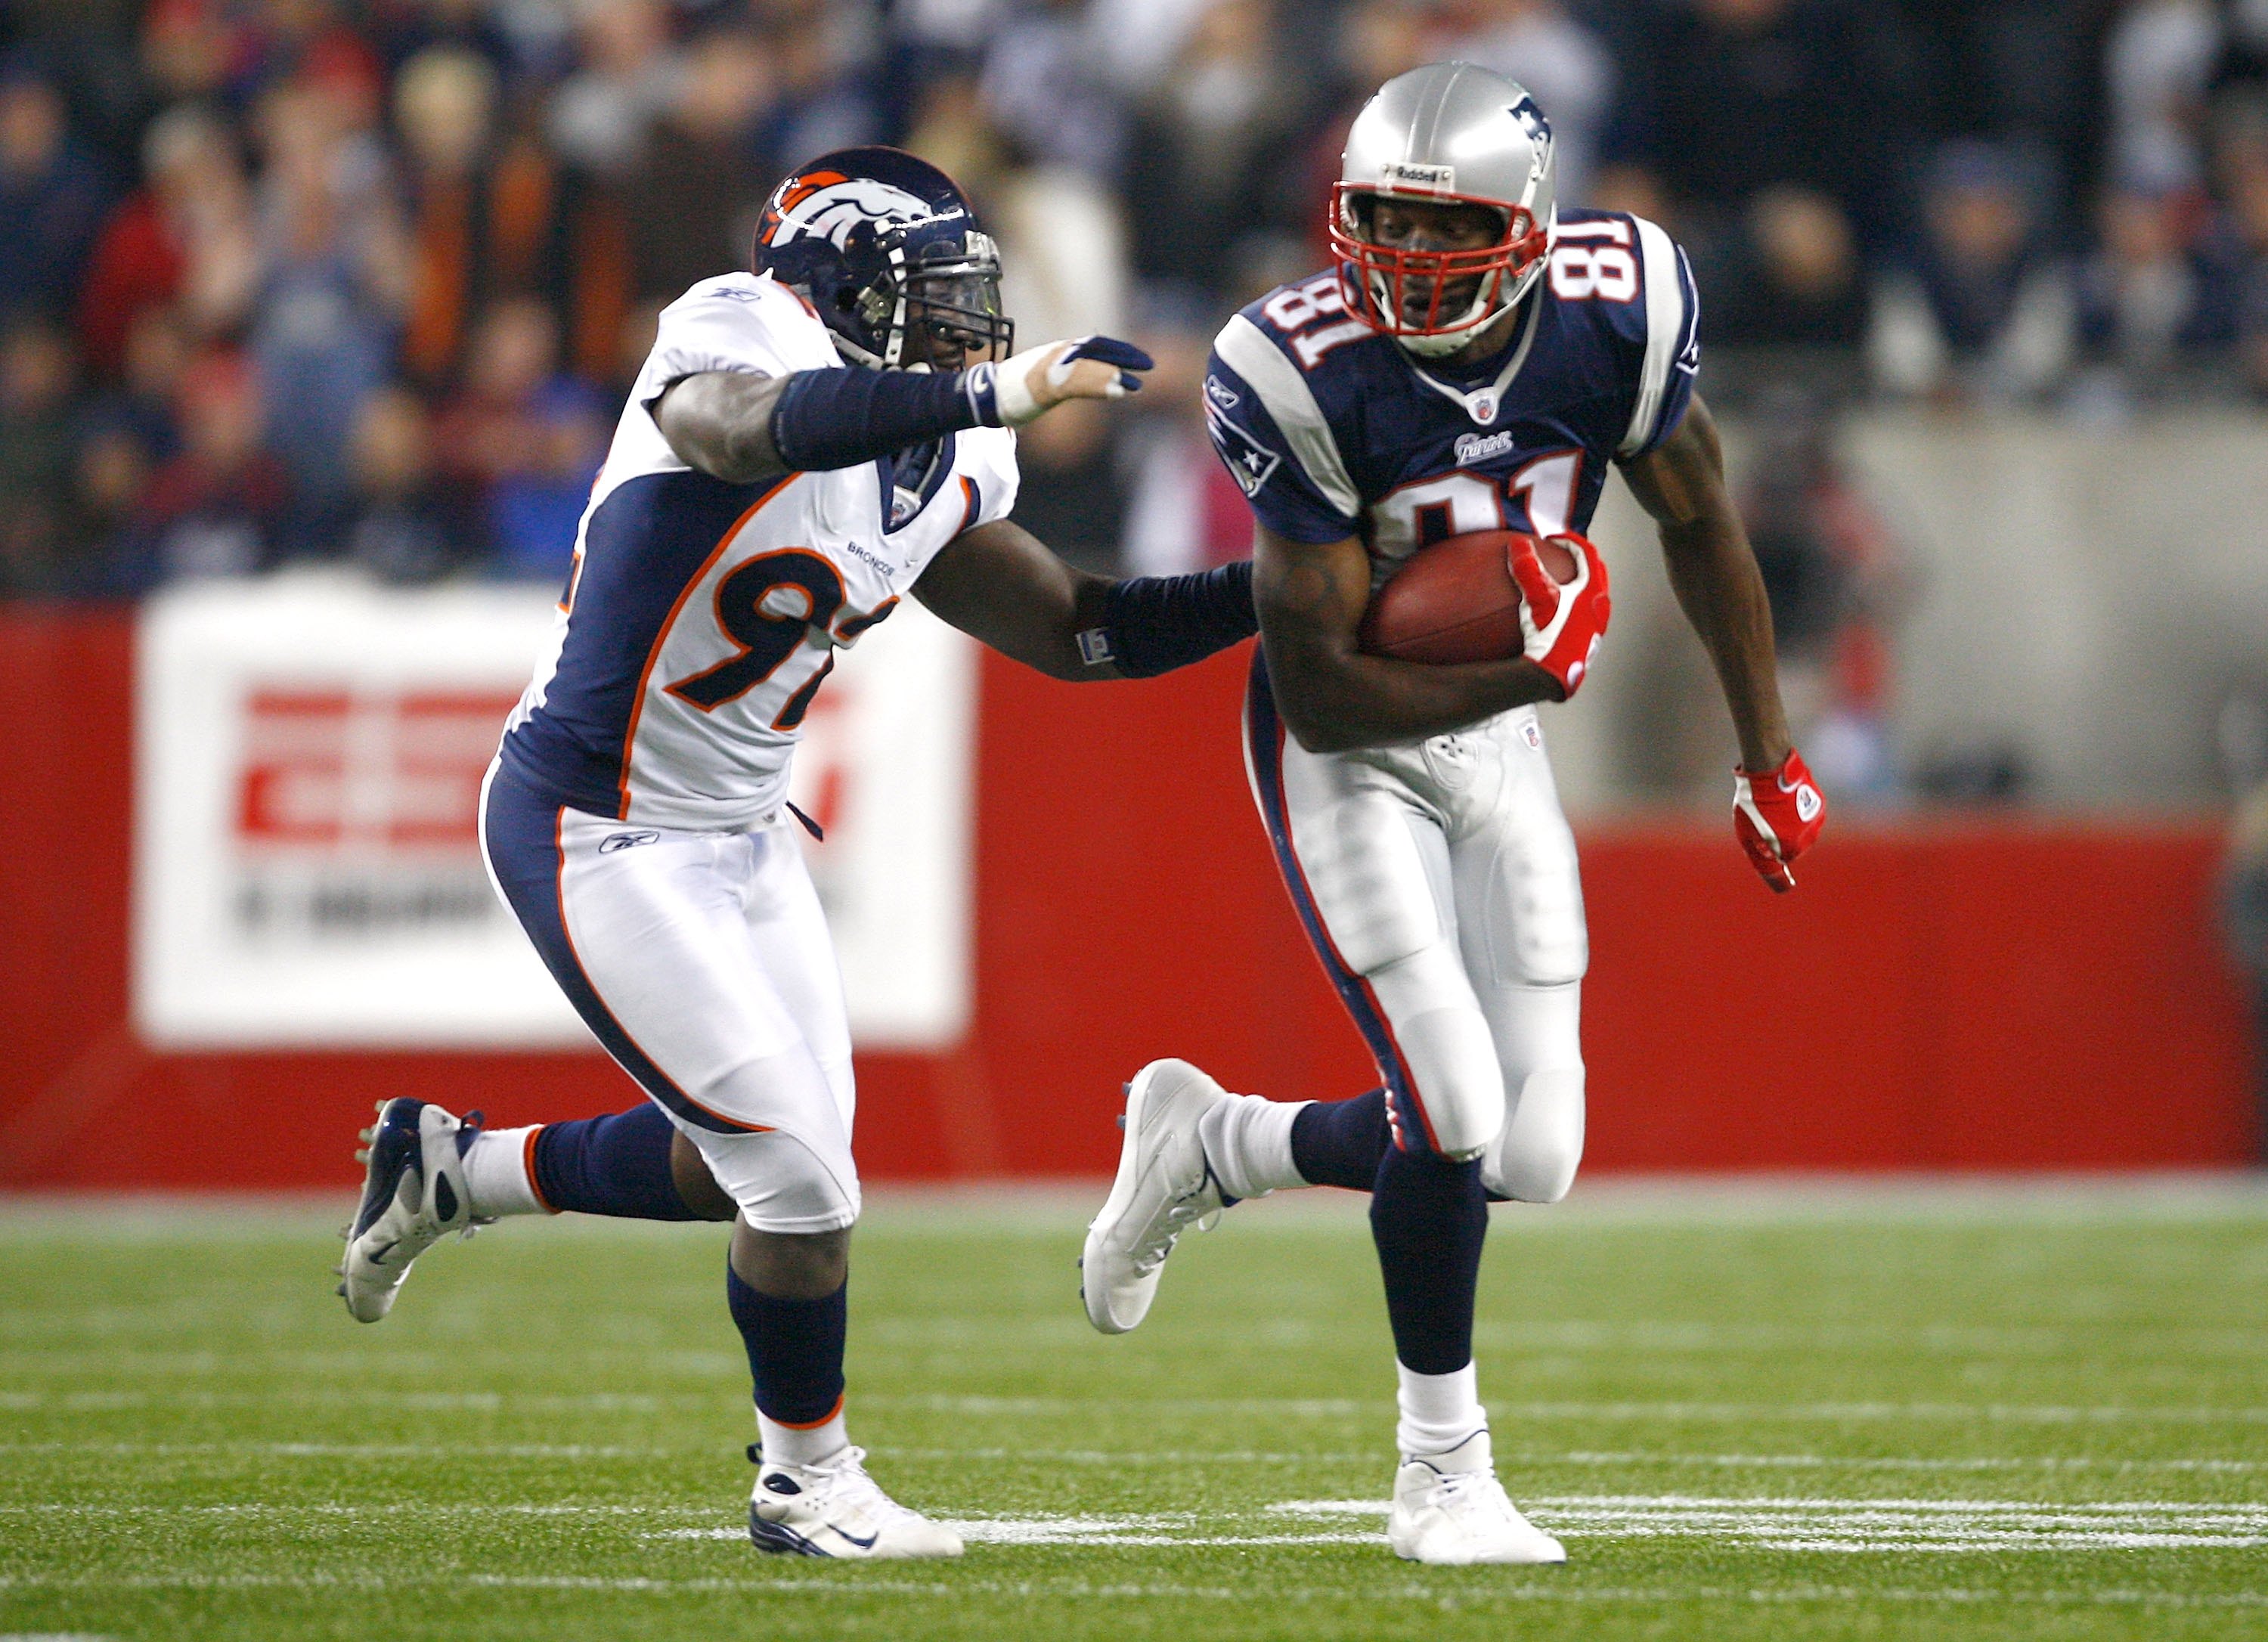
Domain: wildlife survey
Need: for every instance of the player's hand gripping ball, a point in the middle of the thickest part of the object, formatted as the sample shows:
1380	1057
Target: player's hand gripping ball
1492	595
1777	816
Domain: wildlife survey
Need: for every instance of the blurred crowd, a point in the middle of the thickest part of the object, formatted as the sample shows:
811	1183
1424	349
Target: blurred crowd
364	280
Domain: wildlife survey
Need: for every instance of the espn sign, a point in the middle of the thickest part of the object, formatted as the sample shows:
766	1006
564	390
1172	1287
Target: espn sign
307	872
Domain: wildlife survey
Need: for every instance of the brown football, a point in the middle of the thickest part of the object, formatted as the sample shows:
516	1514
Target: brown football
1456	600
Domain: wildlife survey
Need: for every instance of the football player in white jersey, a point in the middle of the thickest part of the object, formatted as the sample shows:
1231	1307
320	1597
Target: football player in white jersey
808	444
1477	360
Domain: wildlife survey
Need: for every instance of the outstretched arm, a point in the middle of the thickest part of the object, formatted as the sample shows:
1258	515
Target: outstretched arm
1334	697
999	583
1713	569
742	427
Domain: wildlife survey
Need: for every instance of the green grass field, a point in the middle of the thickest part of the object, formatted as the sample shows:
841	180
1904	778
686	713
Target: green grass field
1891	1413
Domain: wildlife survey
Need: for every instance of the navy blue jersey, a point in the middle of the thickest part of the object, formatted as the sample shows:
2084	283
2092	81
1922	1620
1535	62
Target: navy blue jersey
1333	429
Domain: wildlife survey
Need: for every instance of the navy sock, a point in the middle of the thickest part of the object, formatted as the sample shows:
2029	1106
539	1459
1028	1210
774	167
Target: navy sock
795	1349
1429	1217
1340	1142
616	1165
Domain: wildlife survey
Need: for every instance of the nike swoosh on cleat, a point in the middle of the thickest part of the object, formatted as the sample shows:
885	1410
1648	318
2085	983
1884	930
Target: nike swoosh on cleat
866	1543
378	1258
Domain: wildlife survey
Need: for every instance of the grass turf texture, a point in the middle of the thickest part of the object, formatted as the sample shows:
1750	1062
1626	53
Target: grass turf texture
1887	1414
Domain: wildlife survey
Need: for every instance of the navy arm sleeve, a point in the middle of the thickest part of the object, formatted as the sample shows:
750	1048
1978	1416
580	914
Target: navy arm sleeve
1153	624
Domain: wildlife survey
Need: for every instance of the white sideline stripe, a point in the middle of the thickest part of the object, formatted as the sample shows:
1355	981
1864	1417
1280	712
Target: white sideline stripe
1785	1524
1935	1526
856	1581
1075	1531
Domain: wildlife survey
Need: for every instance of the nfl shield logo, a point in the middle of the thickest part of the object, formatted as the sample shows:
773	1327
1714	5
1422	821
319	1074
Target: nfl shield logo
1482	406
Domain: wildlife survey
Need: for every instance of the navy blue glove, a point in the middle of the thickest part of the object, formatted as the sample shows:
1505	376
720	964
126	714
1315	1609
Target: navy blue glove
1005	394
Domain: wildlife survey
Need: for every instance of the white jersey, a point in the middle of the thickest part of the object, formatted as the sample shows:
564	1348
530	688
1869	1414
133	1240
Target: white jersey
701	617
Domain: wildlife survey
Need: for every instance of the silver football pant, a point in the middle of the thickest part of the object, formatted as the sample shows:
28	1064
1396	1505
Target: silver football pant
1437	882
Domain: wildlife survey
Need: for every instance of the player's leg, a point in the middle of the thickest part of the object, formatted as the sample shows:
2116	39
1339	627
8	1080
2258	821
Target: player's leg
702	962
1368	860
1520	919
1367	869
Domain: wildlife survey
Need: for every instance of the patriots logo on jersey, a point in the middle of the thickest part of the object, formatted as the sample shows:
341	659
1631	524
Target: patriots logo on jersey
1249	462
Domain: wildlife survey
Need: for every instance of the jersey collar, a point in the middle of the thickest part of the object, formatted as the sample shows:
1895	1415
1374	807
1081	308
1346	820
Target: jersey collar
1485	403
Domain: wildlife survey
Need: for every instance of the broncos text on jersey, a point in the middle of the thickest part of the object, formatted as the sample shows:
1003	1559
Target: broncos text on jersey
1333	430
701	617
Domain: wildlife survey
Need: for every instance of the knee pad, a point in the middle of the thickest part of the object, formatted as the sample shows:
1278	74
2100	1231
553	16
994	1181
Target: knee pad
1535	1156
782	1182
1452	1060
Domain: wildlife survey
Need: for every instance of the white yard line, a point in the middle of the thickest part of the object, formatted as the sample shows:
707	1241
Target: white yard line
1805	1523
1965	1526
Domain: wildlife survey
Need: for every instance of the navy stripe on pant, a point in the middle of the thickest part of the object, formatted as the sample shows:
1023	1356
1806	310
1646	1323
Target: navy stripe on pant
1265	732
520	830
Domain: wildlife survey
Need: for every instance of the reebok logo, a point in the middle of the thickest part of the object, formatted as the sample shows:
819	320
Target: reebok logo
1221	394
628	841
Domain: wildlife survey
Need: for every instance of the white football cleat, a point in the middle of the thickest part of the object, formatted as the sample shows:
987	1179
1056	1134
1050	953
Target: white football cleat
413	1195
1449	1508
835	1509
1164	1187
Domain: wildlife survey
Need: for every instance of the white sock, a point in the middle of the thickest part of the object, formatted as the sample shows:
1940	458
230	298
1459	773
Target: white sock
803	1445
1439	1411
1247	1140
497	1173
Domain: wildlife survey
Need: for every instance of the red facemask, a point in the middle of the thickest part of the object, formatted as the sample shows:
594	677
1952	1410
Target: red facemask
1403	293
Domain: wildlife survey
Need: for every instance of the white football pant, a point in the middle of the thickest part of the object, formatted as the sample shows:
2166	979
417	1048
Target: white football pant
1438	884
702	962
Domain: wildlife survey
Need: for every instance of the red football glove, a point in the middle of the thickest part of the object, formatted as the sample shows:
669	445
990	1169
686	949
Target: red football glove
1562	624
1777	816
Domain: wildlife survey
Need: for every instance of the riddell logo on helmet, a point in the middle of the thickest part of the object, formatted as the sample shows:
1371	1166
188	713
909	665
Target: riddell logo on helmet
1432	179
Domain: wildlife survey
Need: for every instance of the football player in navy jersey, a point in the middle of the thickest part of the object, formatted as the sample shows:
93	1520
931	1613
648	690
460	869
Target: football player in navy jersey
808	444
1477	360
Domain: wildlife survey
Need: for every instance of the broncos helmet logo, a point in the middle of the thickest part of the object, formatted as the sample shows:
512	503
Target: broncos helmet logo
828	205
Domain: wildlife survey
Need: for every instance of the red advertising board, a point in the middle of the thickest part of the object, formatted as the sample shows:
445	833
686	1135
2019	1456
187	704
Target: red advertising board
1954	995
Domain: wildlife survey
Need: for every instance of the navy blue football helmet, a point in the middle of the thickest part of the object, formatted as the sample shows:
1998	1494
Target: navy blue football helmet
881	244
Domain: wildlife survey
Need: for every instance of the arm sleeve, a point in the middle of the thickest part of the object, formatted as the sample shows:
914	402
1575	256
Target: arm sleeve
1156	623
1265	427
1671	356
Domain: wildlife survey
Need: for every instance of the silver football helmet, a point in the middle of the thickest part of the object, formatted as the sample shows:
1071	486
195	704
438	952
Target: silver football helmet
1451	134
